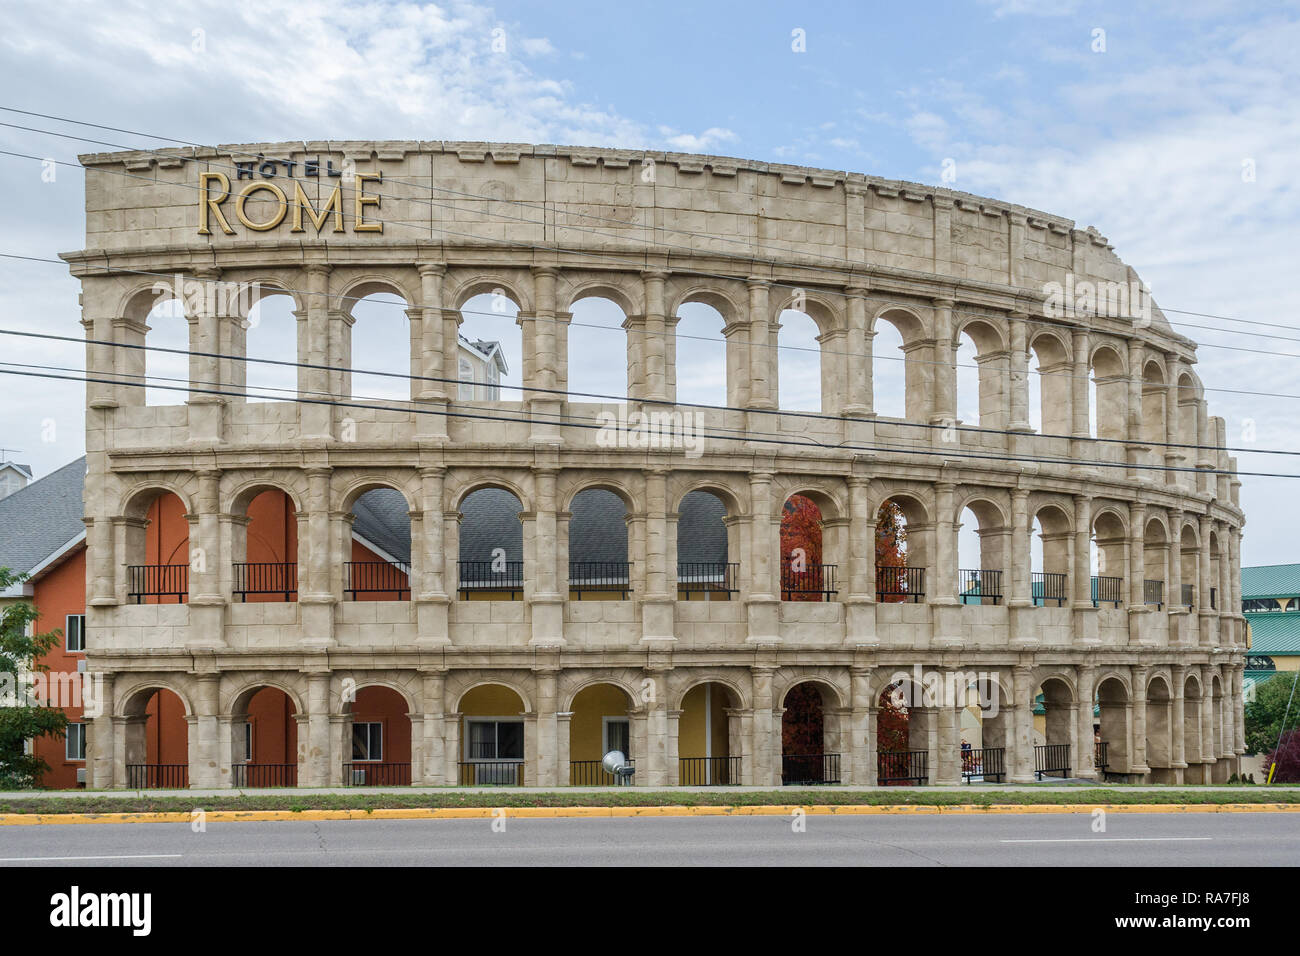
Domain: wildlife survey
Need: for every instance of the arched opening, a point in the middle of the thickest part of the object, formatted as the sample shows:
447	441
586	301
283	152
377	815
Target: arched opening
1154	426
805	575
600	722
379	568
810	736
1189	393
492	737
157	549
1215	572
1155	557
966	359
903	729
1192	741
489	350
1108	395
376	316
901	383
1219	745
380	731
799	362
264	747
265	556
982	540
984	728
599	569
1111	544
1054	729
981	357
490	562
272	333
167	373
157	740
1050	391
1050	543
1160	731
901	550
709	737
701	371
704	544
598	351
1111	734
1189	556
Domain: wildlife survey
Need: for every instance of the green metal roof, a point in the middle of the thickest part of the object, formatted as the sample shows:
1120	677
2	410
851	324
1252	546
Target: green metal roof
1276	632
1270	581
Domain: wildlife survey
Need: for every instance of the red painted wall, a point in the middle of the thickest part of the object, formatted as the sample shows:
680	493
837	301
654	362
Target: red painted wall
275	732
385	705
59	592
166	734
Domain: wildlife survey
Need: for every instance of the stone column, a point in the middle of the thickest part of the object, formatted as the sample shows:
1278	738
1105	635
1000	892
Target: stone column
316	563
943	402
1019	377
545	404
654	771
207	605
1017	562
1139	762
547	602
862	739
857	396
762	363
766	737
1207	623
546	753
1085	764
1081	365
314	421
656	355
1021	762
1137	519
430	360
434	763
320	765
658	604
1133	431
101	741
944	586
1177	716
433	600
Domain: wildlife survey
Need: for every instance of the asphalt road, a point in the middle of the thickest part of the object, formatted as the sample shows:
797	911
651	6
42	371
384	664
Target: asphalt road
1235	839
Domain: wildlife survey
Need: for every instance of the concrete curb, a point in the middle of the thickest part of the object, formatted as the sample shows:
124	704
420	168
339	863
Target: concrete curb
550	813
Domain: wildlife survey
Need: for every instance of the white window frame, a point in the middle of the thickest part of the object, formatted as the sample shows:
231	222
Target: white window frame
370	740
604	734
81	736
248	741
81	633
488	720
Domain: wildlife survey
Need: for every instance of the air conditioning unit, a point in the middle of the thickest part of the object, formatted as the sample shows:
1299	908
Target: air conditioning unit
81	776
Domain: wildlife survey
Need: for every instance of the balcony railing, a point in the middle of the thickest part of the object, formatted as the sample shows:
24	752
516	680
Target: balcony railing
1099	749
391	578
809	769
708	771
368	773
1189	596
491	773
980	587
600	577
1051	758
1049	587
491	577
715	580
264	775
896	585
897	767
265	578
1153	592
157	776
158	581
808	582
1107	591
592	773
987	763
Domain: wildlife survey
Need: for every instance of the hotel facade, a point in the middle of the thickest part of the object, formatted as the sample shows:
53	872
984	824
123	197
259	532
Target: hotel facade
463	589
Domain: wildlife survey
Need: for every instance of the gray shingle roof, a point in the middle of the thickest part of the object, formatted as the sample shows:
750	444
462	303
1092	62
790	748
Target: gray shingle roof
383	519
36	521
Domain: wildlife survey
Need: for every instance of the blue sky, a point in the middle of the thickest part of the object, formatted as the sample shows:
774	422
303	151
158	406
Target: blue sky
1145	139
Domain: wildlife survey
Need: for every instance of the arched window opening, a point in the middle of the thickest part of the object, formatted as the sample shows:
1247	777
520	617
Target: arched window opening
271	333
981	540
264	747
1049	546
265	556
805	576
703	546
490	341
701	373
810	736
599	358
900	551
709	737
889	371
378	362
492	741
157	741
599	569
491	542
601	723
381	739
1109	550
167	373
379	568
799	362
158	551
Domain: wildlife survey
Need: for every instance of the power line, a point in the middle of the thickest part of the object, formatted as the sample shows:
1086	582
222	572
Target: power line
230	391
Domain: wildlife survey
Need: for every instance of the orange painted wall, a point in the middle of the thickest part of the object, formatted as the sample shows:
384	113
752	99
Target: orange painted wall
389	578
272	536
60	592
275	731
167	537
166	734
385	705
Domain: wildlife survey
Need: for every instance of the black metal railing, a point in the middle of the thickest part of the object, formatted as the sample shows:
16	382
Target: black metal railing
1099	749
809	769
708	771
713	579
896	585
601	577
261	577
987	763
807	582
157	776
1049	587
377	577
980	587
158	581
491	576
1051	758
1107	591
372	773
592	773
1153	592
491	773
1188	596
897	767
264	775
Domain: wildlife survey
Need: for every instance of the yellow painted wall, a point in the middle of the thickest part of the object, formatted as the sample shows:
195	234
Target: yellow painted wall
491	700
586	725
691	723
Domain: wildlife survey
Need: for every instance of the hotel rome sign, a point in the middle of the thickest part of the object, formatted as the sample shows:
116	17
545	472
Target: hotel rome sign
272	204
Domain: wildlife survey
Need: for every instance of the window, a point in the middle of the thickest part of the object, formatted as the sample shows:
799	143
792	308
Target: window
618	735
368	741
75	742
465	390
75	632
248	741
494	740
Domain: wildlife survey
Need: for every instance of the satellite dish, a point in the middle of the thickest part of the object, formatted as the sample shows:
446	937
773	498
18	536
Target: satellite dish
617	764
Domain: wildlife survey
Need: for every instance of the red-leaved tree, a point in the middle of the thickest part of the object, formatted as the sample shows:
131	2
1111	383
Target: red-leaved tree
1287	757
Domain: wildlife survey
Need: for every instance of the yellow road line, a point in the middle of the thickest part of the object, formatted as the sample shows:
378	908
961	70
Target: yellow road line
548	813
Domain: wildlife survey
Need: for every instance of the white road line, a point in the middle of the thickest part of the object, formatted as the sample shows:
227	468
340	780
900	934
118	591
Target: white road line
1112	840
49	859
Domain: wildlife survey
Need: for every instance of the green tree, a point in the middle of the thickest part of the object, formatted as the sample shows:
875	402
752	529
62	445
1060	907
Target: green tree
22	653
1264	714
